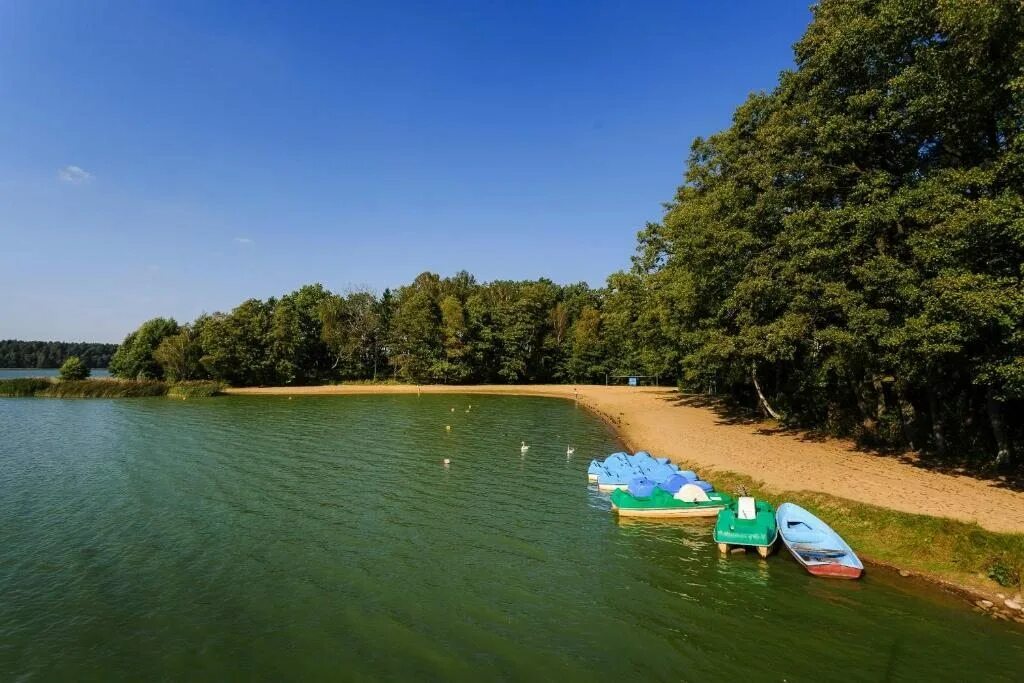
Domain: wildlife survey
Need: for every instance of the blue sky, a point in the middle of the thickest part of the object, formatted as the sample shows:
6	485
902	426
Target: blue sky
173	158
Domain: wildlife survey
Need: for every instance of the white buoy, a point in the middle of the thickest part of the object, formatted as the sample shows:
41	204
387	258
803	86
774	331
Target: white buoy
524	448
453	410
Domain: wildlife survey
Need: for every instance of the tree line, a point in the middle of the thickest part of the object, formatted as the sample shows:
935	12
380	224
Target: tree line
450	330
52	354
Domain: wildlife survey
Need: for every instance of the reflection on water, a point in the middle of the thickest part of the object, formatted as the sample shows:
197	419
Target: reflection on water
323	538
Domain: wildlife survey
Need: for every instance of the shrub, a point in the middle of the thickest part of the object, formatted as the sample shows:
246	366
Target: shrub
196	389
1004	574
73	369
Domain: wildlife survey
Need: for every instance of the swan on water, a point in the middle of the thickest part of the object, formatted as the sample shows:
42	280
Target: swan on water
524	448
447	428
447	461
569	450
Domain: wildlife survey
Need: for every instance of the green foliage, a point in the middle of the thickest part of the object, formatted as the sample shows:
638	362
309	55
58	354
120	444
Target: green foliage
73	369
23	386
135	358
1002	573
179	355
195	389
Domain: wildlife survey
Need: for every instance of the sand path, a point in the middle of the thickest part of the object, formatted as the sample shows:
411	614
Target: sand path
661	421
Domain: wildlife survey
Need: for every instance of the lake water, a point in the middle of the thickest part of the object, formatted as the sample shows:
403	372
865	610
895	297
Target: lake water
321	538
9	373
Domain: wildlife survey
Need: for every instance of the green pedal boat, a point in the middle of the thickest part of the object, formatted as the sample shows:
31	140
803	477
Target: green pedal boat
691	501
746	523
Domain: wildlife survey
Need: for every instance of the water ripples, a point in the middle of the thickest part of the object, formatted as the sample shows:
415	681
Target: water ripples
266	538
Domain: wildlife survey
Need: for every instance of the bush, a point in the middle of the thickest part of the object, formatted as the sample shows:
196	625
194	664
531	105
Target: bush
1004	574
196	389
23	386
73	369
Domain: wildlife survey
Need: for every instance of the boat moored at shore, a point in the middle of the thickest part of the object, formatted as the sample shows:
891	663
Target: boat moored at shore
813	543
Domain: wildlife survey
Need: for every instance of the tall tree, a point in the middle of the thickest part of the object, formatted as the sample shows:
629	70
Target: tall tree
134	357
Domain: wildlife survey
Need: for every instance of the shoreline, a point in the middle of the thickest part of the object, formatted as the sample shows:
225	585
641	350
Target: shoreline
660	420
813	472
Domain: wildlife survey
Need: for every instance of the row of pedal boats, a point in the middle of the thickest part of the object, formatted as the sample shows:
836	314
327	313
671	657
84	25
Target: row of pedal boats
642	485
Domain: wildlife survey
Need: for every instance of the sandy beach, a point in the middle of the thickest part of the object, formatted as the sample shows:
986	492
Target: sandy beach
664	422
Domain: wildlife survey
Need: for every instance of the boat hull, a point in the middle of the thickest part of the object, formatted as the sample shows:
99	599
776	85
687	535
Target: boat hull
830	571
668	513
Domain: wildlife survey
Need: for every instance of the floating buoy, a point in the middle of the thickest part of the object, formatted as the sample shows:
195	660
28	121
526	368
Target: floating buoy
453	410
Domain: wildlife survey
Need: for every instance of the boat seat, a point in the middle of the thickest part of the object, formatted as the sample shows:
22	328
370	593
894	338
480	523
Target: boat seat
690	493
804	536
746	508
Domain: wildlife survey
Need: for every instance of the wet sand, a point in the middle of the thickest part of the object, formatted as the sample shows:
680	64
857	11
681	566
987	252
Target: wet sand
666	423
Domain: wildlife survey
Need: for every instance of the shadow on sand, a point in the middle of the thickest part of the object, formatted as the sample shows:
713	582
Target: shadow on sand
729	413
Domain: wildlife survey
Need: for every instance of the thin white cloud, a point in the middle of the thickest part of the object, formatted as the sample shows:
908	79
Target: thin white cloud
76	175
243	240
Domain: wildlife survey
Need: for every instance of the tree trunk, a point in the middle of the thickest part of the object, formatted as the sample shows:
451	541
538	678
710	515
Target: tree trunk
867	419
995	417
880	407
907	416
938	433
760	394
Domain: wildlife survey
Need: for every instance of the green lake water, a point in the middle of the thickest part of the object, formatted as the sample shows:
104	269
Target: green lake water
321	538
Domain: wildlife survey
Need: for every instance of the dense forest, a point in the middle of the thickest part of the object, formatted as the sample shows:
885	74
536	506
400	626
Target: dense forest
51	354
447	330
847	255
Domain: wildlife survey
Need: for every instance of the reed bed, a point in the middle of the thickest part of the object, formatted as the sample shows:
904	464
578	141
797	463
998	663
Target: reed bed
105	388
23	386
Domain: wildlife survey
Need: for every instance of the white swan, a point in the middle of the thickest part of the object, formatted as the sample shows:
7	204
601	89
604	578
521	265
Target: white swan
570	450
447	462
447	428
524	448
